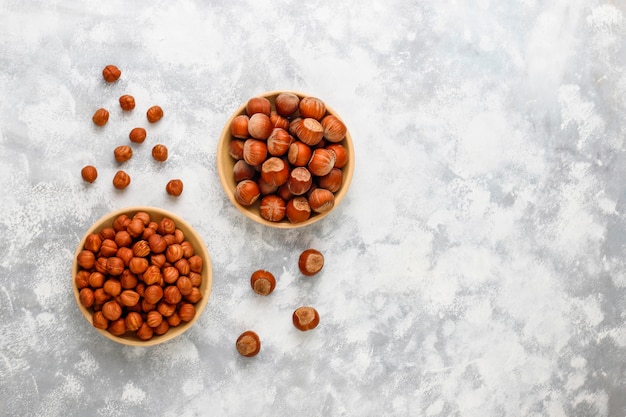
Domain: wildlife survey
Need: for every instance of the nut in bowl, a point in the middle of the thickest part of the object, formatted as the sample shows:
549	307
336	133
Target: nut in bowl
141	276
285	159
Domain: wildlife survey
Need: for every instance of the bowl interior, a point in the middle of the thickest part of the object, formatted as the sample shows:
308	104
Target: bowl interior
225	164
191	235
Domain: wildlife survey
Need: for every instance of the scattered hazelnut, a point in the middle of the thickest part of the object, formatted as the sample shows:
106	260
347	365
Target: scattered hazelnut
89	173
100	117
121	180
127	102
129	298
174	187
154	114
263	282
137	135
111	73
248	344
123	153
305	318
310	262
159	153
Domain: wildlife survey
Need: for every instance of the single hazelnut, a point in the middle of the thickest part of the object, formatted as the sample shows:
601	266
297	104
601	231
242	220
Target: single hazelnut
100	117
243	171
235	149
247	192
101	265
129	298
279	121
137	135
184	285
117	327
86	259
121	180
82	279
310	262
334	129
156	244
183	266
107	233
100	297
174	320
254	151
128	280
275	171
127	102
166	309
312	107
173	253
299	181
135	228
111	310
123	153
194	296
152	275
138	265
262	282
299	154
248	344
111	73
305	318
260	126
141	248
195	263
309	131
321	162
196	278
154	114
112	287
239	126
170	274
96	279
180	236
158	259
154	318
89	173
272	208
146	306
121	222
125	254
298	209
86	297
278	142
166	226
99	321
341	154
172	295
283	192
174	187
294	125
133	321
286	104
159	153
321	200
153	293
187	249
331	181
258	105
161	328
186	312
144	332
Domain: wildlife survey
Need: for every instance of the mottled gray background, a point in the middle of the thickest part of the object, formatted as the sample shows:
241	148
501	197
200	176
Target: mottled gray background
475	267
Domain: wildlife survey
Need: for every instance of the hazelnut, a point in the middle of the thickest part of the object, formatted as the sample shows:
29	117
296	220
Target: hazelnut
152	275
262	282
121	180
133	321
258	105
135	228
100	117
129	298
141	248
334	129
166	226
107	233
305	318
173	320
100	297
111	73
158	259
117	327
195	263
187	312
145	332
293	126
321	162
123	153
161	328
154	114
159	153
86	259
298	209
196	278
265	187
194	296
170	274
299	181
279	121
331	181
254	151
312	107
172	295
247	192
166	309
137	135
299	154
188	250
272	208
184	285
341	154
310	262
112	287
143	216
248	344
127	102
101	265
154	318
321	200
286	104
128	280
89	173
111	310
278	142
239	126
82	279
96	279
235	149
183	266
86	297
99	321
174	187
243	171
309	131
260	126
283	192
275	171
157	243
138	265
173	253
153	293
125	254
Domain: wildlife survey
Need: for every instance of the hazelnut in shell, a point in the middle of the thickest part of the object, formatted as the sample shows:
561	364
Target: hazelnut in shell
272	208
248	344
305	318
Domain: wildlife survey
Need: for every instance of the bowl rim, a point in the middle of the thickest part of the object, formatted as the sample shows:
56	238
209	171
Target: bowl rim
200	248
228	184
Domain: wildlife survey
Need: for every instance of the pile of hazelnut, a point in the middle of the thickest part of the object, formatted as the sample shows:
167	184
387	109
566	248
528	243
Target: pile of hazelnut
139	276
123	153
288	155
263	282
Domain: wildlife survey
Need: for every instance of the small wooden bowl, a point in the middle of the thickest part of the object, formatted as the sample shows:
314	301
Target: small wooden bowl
225	164
156	214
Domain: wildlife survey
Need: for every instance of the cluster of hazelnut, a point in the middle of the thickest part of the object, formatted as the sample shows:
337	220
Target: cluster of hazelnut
288	154
263	282
139	276
123	153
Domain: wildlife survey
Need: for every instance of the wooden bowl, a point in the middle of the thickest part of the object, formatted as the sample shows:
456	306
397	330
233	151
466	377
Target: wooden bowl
225	164
156	214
